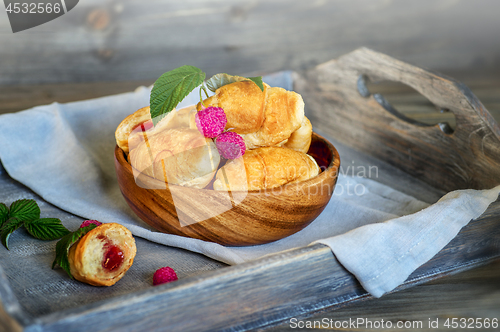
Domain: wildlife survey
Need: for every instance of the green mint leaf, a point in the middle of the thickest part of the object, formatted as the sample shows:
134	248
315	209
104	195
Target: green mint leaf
258	80
63	245
4	214
25	209
46	228
219	80
8	228
171	88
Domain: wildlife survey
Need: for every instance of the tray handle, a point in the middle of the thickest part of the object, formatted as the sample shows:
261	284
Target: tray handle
468	157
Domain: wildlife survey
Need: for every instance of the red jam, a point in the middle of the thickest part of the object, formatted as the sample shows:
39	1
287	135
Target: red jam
144	126
113	257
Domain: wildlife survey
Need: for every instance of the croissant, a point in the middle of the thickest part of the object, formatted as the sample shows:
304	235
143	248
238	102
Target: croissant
265	168
178	156
103	255
129	132
262	118
300	140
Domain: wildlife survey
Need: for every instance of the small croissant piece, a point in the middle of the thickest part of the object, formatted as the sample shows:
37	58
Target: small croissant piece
128	124
178	156
127	137
103	255
300	140
265	168
262	118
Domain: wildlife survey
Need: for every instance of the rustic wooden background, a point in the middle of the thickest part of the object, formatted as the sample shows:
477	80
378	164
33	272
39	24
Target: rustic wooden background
115	40
109	46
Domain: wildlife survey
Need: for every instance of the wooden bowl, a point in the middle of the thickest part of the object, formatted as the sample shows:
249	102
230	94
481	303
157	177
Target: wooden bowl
232	218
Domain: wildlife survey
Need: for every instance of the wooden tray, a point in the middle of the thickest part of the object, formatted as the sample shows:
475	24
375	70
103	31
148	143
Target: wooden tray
210	296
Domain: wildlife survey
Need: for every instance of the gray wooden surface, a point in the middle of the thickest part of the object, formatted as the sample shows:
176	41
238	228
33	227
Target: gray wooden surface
471	294
108	40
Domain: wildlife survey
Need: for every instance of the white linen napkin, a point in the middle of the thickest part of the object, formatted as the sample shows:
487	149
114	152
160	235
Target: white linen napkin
64	153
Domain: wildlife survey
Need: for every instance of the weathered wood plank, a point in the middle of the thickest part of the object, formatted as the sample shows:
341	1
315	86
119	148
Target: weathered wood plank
15	98
407	101
135	40
470	294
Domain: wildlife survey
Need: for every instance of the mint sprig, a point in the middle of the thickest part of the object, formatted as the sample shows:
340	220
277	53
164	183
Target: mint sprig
25	212
173	86
63	245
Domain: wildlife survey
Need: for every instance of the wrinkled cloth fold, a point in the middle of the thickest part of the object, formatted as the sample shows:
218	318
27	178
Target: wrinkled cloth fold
64	153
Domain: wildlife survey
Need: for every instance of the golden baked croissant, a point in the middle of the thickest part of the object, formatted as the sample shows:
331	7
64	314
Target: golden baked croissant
262	118
127	134
263	168
300	140
103	255
178	156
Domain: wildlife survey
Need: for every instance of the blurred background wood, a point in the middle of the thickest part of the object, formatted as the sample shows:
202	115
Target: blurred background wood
114	40
104	47
403	98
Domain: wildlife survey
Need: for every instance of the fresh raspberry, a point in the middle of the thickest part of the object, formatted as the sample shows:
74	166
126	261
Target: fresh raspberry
88	222
211	121
230	145
164	275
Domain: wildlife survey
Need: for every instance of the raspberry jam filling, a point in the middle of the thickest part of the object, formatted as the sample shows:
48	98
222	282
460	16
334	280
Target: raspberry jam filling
144	126
113	256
